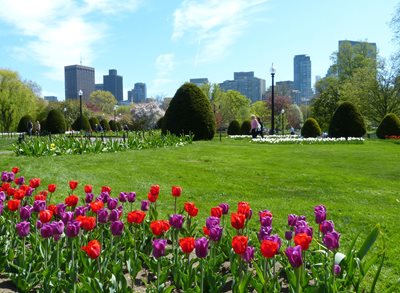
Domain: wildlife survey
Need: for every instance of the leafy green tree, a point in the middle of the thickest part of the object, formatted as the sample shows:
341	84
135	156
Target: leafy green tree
232	105
261	109
294	116
102	101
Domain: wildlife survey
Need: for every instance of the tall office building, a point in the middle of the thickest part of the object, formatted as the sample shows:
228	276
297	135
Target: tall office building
370	47
245	83
114	84
78	77
138	94
198	81
302	79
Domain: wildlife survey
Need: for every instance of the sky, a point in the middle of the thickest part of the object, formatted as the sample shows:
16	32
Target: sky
164	43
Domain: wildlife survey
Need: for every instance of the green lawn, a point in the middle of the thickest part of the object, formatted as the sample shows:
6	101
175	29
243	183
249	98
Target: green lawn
359	184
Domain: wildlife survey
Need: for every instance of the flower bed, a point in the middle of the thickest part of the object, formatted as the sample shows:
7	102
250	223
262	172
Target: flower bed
101	243
295	139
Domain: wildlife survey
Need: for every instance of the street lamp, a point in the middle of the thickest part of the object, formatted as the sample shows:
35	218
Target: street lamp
65	117
80	93
272	130
283	129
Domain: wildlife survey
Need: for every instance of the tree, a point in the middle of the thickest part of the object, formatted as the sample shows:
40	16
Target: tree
232	105
102	101
390	125
347	121
55	122
310	128
294	116
261	109
146	115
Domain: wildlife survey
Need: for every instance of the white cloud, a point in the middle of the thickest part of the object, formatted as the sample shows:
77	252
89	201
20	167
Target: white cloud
214	24
59	32
165	65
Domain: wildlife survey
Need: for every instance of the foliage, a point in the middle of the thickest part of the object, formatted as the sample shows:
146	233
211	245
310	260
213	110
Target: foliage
93	123
81	124
103	101
55	122
390	125
261	109
295	116
23	123
310	128
146	115
113	125
234	128
105	125
245	127
190	113
347	122
232	105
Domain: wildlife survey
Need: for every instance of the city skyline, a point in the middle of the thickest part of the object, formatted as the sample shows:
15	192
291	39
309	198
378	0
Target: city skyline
166	44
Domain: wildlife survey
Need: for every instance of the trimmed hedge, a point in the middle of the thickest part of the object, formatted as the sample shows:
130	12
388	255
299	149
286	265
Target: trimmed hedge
85	124
347	121
23	123
390	125
245	128
234	128
189	112
104	124
311	128
93	122
55	122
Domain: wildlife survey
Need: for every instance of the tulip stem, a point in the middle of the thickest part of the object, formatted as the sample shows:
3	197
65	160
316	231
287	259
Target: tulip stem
298	273
202	276
175	204
158	275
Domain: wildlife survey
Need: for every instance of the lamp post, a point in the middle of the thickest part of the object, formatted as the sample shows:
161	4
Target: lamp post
272	130
65	117
80	93
283	128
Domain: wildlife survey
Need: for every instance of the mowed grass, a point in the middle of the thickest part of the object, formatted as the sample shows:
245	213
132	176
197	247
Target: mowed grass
359	184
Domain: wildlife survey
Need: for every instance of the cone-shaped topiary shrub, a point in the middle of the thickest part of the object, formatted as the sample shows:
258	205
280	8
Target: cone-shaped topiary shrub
310	128
245	128
93	121
234	128
85	124
347	121
104	124
189	112
160	123
390	125
55	122
23	123
113	125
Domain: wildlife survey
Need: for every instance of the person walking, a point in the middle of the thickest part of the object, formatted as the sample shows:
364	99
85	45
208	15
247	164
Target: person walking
37	127
261	131
30	127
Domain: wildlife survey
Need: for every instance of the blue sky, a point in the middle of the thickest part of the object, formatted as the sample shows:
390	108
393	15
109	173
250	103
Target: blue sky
166	42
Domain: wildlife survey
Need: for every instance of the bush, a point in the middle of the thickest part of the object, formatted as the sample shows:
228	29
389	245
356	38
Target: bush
234	128
104	124
390	125
55	122
23	123
85	124
347	121
113	125
93	121
310	128
245	128
190	113
160	123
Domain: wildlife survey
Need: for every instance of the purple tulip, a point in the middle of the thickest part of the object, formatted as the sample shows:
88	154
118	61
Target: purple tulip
326	227
123	197
116	228
72	228
58	227
131	196
331	240
248	255
294	256
56	237
1	208
288	235
114	215
89	197
215	233
11	177
20	180
145	205
23	228
304	229
67	216
224	207
159	247
336	270
301	223
29	191
39	205
250	214
2	196
61	207
265	231
201	247
266	221
47	230
104	196
275	238
292	219
301	218
25	212
80	211
39	224
320	214
212	222
4	176
112	203
176	221
102	216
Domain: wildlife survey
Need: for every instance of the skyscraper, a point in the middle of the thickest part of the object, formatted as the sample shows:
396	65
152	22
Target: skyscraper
245	83
302	79
78	77
114	84
138	94
199	81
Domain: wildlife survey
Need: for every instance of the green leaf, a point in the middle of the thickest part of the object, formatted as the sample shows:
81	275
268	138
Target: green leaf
377	274
394	286
369	242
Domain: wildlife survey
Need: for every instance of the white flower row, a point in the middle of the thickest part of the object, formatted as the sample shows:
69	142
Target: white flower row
295	139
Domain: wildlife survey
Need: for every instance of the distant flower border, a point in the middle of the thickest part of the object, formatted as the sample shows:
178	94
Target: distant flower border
295	139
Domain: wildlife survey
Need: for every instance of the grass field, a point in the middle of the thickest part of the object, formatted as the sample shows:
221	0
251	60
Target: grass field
359	184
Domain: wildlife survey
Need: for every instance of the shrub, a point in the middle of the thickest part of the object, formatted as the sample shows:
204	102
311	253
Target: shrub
310	128
160	123
234	128
23	123
93	122
190	113
390	125
245	128
104	124
113	125
55	122
347	121
85	124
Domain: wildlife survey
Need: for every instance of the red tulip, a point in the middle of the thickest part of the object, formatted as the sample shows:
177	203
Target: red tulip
73	184
88	188
34	182
303	240
71	200
239	244
19	194
106	189
51	188
244	208
52	208
96	206
87	223
191	209
187	244
155	190
93	249
176	191
15	170
152	197
237	220
216	212
269	248
45	216
40	197
159	227
136	217
13	204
